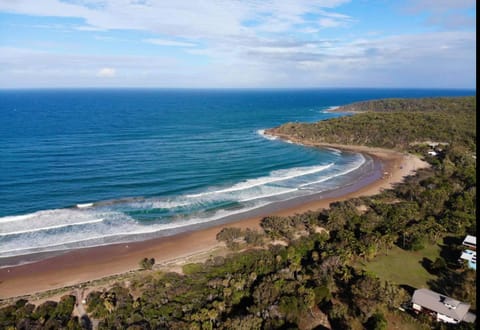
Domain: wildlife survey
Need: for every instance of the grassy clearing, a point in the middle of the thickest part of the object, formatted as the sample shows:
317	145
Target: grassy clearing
404	267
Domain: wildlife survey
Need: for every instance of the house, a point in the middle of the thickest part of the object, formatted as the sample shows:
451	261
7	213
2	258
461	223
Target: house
470	254
471	258
443	308
470	242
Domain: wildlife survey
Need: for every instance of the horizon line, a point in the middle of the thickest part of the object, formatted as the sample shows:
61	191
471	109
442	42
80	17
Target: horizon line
233	88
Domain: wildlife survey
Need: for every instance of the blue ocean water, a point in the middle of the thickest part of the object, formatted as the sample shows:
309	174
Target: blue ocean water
90	167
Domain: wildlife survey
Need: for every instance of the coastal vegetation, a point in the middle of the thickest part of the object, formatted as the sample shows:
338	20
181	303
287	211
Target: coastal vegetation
327	268
147	263
436	104
393	123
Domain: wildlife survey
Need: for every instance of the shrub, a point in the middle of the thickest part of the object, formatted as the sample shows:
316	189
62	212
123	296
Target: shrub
229	234
146	263
377	322
253	237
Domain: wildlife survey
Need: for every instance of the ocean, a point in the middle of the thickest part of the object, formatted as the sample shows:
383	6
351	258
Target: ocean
89	167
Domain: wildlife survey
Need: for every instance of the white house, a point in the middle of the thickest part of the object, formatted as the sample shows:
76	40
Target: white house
443	308
471	258
470	254
470	242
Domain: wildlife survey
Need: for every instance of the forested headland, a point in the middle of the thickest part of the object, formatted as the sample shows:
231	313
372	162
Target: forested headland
310	271
394	123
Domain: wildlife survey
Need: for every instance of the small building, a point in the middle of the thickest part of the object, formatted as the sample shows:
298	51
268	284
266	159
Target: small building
443	308
432	153
470	254
470	257
470	242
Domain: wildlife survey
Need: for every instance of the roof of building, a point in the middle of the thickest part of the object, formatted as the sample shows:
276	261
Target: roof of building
469	239
470	317
469	255
441	304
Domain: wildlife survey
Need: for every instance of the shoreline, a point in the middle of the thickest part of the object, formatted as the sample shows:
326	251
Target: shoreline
369	171
84	265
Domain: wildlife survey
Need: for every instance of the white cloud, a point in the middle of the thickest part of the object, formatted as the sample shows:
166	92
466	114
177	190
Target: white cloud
106	73
437	59
21	68
172	43
271	43
88	28
330	22
204	19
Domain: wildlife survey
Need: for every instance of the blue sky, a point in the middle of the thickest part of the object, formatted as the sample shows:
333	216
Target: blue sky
237	43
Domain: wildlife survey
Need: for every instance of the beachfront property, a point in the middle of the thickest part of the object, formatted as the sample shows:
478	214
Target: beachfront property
470	242
470	254
430	148
437	145
442	308
435	148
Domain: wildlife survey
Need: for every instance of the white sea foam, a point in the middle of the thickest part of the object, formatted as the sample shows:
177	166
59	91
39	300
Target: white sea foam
349	170
335	151
123	231
332	108
84	206
51	227
14	218
275	176
281	192
262	133
60	246
155	203
48	218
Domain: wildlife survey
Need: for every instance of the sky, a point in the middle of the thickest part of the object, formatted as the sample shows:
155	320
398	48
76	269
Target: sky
238	43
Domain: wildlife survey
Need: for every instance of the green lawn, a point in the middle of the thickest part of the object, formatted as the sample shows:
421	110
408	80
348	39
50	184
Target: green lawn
404	267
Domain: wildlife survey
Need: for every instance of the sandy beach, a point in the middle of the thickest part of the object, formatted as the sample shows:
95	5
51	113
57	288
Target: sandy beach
88	264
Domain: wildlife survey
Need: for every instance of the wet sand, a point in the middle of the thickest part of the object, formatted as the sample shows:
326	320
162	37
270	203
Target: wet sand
88	264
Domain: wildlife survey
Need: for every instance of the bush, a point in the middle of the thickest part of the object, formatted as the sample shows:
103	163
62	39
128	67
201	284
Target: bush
416	243
439	265
146	263
229	234
253	237
377	322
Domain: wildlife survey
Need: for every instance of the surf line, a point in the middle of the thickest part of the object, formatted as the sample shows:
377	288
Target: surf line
266	180
51	227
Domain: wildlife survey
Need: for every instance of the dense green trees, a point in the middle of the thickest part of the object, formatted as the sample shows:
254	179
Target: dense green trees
49	315
447	104
439	119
